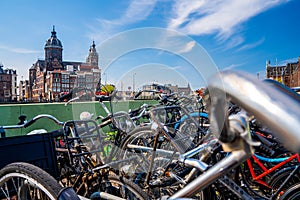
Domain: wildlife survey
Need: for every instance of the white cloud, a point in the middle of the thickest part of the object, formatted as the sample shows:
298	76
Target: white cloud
182	10
232	66
187	48
252	45
18	50
291	60
137	10
216	17
234	41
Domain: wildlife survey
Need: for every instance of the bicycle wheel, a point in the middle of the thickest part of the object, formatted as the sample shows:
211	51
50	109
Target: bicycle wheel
281	176
139	143
293	193
195	126
25	181
121	187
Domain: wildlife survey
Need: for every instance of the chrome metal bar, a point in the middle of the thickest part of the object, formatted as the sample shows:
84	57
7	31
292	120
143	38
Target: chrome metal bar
32	121
275	108
149	149
49	117
200	165
198	149
208	177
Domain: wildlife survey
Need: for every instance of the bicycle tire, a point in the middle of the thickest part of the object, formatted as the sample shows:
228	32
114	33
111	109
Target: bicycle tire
26	181
121	187
195	131
144	136
160	184
281	176
293	193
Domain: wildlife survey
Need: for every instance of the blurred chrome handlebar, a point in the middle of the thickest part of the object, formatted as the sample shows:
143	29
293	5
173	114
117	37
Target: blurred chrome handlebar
275	108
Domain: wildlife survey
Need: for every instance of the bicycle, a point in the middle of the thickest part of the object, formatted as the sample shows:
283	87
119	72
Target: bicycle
157	149
224	138
82	166
233	132
115	125
74	165
20	179
25	181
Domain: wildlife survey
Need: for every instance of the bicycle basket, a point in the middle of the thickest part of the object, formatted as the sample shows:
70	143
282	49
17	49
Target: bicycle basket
166	115
84	133
123	122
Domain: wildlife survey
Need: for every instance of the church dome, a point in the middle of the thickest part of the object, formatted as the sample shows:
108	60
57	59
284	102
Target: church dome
53	41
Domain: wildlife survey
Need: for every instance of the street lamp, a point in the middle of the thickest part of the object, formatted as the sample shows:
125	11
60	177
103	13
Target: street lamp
104	74
133	82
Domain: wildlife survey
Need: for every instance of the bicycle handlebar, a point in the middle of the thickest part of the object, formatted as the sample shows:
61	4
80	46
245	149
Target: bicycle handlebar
71	100
140	111
276	108
33	120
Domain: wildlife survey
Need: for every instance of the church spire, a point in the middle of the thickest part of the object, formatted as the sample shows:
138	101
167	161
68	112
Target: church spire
53	33
93	47
53	52
93	57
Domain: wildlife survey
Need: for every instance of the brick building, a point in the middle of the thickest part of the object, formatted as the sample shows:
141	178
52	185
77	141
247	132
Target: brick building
23	90
288	74
52	77
8	85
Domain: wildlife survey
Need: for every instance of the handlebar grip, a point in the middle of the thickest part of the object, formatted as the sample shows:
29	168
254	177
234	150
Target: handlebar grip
29	123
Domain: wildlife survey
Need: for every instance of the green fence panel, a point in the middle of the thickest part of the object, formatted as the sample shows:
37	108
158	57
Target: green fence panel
11	112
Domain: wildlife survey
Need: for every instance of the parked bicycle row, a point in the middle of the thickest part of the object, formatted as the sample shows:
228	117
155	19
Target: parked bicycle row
227	144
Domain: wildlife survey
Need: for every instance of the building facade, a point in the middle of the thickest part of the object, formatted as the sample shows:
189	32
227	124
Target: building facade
151	91
288	74
8	84
52	77
23	90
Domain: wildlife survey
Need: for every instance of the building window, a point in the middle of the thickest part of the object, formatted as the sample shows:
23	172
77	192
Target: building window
6	93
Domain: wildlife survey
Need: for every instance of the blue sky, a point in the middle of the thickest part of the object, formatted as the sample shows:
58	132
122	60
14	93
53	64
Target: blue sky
234	34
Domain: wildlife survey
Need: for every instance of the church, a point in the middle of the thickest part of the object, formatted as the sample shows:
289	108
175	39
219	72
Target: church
52	77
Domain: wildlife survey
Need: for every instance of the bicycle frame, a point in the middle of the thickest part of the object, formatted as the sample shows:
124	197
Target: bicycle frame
265	171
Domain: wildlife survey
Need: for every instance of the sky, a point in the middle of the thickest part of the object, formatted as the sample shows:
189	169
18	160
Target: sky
144	41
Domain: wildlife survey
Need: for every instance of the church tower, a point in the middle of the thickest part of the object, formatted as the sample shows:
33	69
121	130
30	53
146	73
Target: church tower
53	52
93	57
